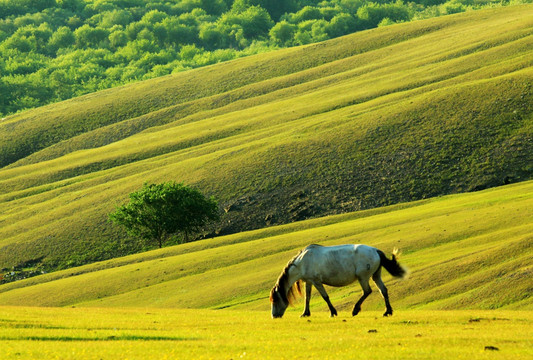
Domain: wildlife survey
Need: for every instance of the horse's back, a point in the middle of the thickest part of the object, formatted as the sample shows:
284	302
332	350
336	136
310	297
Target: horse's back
337	265
366	258
356	250
352	249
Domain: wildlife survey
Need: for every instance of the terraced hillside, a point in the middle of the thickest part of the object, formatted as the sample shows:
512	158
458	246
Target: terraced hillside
463	251
380	117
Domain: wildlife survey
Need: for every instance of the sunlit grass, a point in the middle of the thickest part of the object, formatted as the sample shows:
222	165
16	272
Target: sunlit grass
36	333
463	251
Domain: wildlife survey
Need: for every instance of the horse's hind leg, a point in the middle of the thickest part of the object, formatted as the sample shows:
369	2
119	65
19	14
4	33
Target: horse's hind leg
366	291
308	288
383	289
325	296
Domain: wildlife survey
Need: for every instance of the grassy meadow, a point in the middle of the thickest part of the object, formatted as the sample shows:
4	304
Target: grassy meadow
467	251
381	117
147	333
414	136
468	295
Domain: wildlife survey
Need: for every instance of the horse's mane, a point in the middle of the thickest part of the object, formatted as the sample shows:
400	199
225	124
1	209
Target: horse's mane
296	289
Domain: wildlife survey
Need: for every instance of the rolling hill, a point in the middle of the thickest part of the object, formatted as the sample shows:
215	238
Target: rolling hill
381	117
466	251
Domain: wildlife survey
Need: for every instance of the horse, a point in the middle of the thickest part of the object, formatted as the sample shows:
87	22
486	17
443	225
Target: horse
337	266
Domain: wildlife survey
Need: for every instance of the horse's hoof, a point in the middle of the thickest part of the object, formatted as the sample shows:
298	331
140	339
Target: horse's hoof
387	314
305	315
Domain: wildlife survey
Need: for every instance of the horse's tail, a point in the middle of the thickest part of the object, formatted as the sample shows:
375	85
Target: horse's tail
392	265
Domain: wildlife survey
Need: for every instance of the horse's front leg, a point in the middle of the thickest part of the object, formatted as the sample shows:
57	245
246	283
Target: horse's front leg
308	288
325	296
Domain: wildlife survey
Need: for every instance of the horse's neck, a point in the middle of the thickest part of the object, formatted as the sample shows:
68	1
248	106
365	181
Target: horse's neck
293	276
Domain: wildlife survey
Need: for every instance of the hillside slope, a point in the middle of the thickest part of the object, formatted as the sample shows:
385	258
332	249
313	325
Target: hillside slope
463	251
390	115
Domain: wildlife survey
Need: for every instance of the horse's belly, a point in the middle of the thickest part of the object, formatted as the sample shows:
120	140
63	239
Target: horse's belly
338	281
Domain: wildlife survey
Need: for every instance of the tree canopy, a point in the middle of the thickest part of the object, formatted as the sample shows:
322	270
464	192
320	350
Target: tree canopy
158	211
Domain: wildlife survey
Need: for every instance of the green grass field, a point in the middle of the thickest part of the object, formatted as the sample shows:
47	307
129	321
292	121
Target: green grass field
147	333
466	251
346	137
468	295
381	117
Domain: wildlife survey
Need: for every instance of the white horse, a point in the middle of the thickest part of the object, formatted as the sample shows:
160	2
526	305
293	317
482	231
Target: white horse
335	266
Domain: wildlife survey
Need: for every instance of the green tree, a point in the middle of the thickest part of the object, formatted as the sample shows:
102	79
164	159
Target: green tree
62	38
72	5
87	36
20	43
178	33
372	13
214	7
255	22
188	52
115	17
318	30
307	13
158	211
275	8
213	36
118	39
282	33
452	7
24	63
154	17
341	24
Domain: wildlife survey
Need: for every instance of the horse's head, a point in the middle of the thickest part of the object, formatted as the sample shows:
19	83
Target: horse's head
278	301
284	292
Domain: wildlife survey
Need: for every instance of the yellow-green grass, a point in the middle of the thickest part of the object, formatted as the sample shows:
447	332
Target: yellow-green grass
375	118
146	333
468	251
